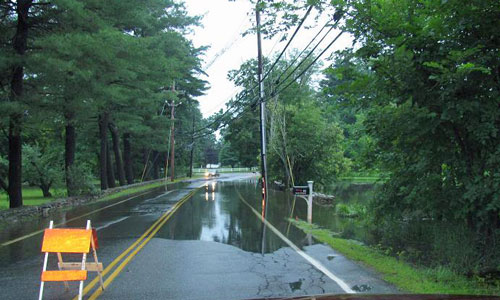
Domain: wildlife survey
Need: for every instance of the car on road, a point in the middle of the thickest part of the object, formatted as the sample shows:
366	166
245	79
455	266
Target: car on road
212	173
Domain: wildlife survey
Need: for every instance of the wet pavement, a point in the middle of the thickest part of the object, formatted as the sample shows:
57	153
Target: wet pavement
213	247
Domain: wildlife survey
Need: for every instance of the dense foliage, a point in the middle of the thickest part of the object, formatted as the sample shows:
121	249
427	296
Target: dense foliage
418	97
86	88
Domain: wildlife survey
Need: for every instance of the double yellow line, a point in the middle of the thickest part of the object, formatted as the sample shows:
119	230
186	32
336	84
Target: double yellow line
134	248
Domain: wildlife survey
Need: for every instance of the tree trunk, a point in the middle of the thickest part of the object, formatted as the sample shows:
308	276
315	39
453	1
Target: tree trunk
191	161
109	167
69	155
15	163
145	157
156	165
20	42
103	130
46	190
118	157
127	156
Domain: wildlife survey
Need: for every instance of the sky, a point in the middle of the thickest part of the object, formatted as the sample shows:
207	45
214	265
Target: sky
223	23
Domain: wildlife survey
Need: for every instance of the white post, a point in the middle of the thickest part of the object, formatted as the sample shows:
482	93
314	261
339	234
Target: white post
310	202
84	260
45	260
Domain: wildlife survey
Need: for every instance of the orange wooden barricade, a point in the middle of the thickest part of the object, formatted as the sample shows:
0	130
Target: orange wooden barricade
70	241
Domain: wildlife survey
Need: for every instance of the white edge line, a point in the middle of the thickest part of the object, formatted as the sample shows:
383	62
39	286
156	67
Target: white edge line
307	257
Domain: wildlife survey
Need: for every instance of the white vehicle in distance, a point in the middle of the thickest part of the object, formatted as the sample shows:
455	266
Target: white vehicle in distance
211	173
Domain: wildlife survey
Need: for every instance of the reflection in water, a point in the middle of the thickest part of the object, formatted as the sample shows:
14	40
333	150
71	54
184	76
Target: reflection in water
224	218
228	220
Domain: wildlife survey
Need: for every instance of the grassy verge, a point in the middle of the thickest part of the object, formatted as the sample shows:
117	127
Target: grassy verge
31	196
402	274
361	179
34	196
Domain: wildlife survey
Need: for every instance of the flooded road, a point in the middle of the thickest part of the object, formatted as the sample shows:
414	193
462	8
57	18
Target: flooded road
213	246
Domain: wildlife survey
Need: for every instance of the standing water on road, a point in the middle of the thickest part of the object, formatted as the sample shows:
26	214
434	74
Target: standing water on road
214	215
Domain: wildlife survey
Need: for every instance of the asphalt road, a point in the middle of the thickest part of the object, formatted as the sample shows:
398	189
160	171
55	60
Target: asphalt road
206	240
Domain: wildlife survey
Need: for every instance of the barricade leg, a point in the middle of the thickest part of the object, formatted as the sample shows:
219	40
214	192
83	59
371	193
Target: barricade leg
59	258
84	258
97	263
45	260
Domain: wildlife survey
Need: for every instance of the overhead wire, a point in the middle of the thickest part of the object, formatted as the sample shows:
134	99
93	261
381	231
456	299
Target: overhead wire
289	42
240	114
306	47
306	68
278	81
246	91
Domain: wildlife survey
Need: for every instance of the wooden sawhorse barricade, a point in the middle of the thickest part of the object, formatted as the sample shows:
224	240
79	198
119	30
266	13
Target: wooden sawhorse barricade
70	240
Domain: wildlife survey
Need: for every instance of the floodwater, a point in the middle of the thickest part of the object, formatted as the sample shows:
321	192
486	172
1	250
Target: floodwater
214	215
213	242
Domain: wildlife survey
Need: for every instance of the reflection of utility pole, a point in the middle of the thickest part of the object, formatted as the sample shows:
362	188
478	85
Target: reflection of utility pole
262	115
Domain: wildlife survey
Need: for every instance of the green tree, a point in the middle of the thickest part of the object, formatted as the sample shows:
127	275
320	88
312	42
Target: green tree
227	156
43	170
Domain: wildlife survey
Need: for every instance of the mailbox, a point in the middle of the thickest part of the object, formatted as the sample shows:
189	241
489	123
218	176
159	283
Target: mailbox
301	190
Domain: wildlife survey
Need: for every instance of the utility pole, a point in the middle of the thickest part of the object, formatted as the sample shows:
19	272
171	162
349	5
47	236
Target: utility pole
172	135
262	114
192	150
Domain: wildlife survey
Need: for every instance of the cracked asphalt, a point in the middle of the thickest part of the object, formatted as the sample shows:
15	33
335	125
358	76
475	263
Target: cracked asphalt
213	247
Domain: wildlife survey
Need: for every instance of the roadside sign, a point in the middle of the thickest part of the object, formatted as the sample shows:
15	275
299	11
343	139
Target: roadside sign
301	190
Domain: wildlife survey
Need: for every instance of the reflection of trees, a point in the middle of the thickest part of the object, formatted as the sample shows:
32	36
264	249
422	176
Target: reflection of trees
186	223
241	227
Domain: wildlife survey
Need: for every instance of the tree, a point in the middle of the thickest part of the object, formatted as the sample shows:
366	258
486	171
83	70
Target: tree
227	156
42	170
302	143
90	63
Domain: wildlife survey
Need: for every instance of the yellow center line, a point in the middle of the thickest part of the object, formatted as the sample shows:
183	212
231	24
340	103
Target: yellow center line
70	220
151	232
114	262
306	256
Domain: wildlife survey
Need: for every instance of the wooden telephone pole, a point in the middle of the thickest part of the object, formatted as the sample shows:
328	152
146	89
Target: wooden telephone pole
171	151
172	134
262	115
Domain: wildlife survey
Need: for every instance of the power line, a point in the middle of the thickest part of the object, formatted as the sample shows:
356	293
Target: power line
278	82
264	77
228	45
307	68
285	48
225	113
306	47
237	117
289	42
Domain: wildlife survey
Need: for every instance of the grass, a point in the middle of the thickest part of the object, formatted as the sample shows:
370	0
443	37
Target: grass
361	179
405	276
372	176
350	210
31	196
34	196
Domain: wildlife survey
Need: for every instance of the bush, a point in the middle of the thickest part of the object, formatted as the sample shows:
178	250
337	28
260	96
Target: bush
438	243
82	181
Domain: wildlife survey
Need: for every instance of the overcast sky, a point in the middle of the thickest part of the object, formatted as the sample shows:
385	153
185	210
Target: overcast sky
223	22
